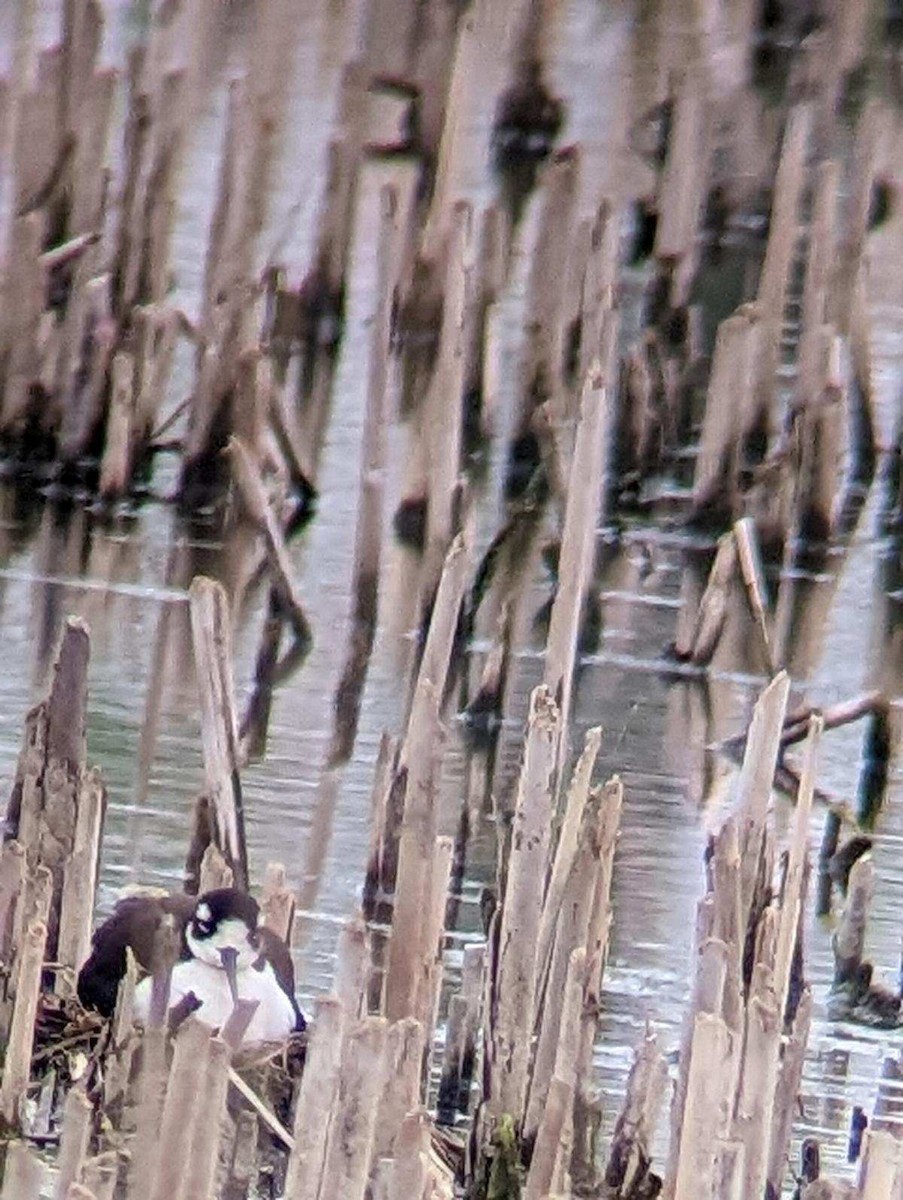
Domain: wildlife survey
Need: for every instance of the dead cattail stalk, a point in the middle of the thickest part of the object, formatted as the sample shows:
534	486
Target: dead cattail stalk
277	904
408	1174
792	898
114	469
237	1023
12	891
348	1153
268	1117
870	133
22	1173
522	908
211	637
352	963
683	187
430	974
419	756
610	803
80	878
78	1191
405	1045
729	412
756	1089
849	939
382	820
578	537
180	1119
243	1164
99	1175
150	1091
699	642
786	1100
707	1108
369	526
755	779
444	403
214	871
43	808
753	578
783	234
415	849
316	1100
711	960
555	991
547	1150
17	1060
20	83
540	372
880	1172
77	1117
821	271
567	1009
630	1155
566	848
23	302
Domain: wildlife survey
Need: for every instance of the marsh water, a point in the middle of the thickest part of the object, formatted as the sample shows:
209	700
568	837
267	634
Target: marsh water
127	575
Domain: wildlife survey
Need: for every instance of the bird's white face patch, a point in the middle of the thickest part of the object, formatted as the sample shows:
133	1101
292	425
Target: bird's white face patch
203	913
232	933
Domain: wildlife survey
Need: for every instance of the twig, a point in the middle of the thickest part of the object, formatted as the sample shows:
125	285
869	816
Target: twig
269	1118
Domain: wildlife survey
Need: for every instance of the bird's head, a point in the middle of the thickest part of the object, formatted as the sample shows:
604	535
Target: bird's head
223	933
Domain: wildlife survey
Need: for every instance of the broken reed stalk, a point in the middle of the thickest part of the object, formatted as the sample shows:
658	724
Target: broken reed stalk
567	845
578	539
729	411
783	234
419	759
347	1163
697	642
316	1099
211	637
683	188
754	579
78	1114
369	524
630	1158
17	1060
522	909
51	783
791	901
754	782
539	371
849	938
445	400
277	904
358	1122
552	939
22	1173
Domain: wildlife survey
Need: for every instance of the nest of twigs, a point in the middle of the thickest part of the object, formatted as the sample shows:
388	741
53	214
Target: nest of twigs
66	1035
274	1073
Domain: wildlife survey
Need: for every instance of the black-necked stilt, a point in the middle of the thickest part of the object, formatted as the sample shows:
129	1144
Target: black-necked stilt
226	955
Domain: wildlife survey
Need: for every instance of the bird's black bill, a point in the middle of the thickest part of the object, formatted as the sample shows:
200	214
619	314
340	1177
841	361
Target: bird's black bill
229	959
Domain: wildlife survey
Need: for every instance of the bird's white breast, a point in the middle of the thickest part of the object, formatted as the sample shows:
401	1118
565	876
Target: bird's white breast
273	1021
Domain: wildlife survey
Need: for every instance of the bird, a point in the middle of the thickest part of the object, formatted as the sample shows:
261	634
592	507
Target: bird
225	955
